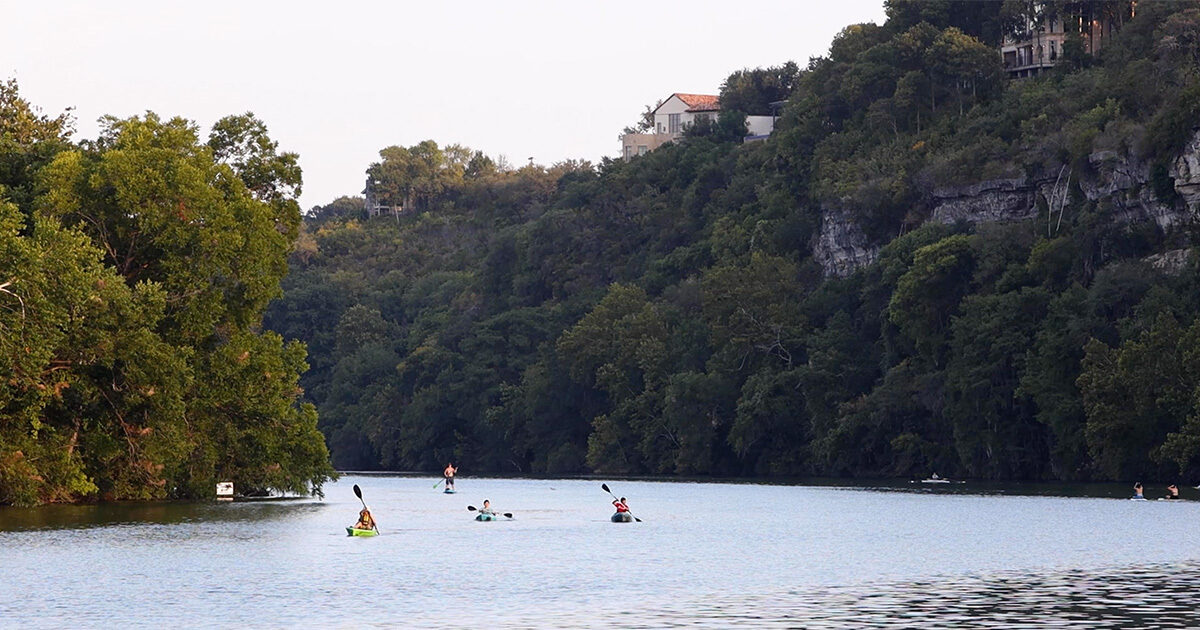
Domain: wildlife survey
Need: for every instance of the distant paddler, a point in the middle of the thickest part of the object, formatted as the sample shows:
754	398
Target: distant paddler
365	525
1138	492
1172	492
448	474
622	515
365	520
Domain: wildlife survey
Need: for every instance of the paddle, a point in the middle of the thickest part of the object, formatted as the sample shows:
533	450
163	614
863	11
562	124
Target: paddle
358	493
506	514
605	486
438	483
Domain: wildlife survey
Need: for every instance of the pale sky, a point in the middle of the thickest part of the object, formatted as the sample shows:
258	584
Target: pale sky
337	81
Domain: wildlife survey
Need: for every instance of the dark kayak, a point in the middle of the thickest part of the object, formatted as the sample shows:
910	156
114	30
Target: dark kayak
622	517
350	531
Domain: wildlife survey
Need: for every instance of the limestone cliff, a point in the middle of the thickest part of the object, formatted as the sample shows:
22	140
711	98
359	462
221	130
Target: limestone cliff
1118	180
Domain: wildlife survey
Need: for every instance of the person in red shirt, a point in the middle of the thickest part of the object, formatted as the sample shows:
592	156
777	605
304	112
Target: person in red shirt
621	505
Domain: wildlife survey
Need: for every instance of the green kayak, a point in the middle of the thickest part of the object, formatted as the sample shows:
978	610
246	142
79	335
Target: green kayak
350	531
485	517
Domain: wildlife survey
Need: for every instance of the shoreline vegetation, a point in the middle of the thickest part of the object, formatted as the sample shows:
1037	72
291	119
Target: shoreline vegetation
135	269
805	305
787	308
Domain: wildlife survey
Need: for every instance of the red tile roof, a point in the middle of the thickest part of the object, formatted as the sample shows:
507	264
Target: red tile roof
699	102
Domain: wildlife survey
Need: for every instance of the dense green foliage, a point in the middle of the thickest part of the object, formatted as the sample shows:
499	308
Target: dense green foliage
134	271
668	315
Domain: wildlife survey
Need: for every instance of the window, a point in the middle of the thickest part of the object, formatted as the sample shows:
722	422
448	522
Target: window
702	118
628	151
1053	51
643	149
673	123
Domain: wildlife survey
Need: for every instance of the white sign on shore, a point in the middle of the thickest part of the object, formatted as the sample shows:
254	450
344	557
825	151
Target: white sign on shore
225	491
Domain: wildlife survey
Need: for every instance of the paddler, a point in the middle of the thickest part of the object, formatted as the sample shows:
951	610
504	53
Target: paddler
621	506
1172	491
365	520
487	508
1137	491
449	475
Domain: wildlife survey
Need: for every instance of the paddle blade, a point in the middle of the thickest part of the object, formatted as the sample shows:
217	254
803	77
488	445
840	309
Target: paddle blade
603	485
508	515
357	492
637	519
471	508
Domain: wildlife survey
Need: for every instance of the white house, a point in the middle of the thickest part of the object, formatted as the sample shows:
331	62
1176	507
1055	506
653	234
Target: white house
678	112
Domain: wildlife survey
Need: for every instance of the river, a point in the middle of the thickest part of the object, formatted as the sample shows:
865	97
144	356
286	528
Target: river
706	555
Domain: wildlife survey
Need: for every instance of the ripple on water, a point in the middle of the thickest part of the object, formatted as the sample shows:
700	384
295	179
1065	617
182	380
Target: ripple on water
1149	596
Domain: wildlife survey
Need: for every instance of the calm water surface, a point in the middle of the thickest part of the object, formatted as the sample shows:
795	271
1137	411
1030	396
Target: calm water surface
706	555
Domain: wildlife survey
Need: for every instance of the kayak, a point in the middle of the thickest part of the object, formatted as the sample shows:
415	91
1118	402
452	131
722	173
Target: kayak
622	517
485	517
350	531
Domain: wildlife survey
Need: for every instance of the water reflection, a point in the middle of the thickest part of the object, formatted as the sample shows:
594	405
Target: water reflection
51	517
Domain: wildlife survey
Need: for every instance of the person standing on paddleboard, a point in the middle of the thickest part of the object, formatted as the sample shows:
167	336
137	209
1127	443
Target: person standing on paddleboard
449	475
1137	491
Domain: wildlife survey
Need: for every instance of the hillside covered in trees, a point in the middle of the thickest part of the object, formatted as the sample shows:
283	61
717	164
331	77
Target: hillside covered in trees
928	266
134	271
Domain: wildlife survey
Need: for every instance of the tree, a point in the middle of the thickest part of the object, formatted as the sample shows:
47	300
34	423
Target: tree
752	91
28	141
927	295
167	214
1138	393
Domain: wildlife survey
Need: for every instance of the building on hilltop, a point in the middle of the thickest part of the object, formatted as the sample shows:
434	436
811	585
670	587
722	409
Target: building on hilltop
678	112
1036	44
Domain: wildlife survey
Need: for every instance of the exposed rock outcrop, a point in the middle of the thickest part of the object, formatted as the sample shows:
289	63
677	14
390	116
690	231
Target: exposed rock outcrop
841	246
1117	181
1171	262
1186	173
992	201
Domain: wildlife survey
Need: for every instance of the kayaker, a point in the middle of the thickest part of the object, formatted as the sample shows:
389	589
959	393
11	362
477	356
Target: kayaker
365	520
487	508
621	505
1173	492
449	475
1137	491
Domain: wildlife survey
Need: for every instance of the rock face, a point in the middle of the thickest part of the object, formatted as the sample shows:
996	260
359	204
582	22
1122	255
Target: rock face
1172	262
992	201
841	246
1117	181
1186	173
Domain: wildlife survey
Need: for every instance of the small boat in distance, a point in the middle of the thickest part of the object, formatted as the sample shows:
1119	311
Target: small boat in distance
934	478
